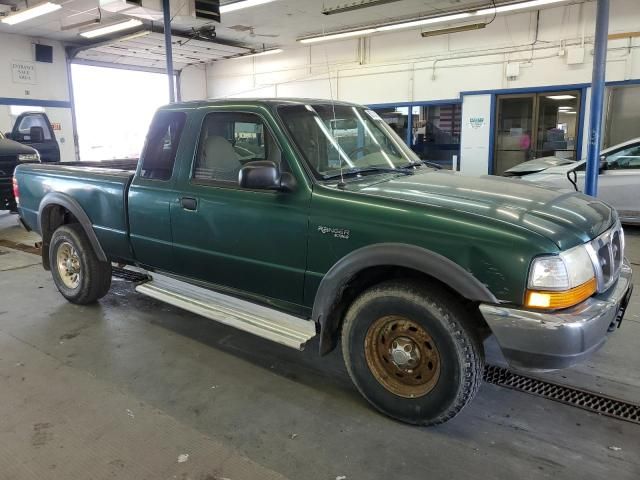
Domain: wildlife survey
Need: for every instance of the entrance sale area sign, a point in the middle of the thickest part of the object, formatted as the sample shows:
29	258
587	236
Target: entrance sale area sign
23	72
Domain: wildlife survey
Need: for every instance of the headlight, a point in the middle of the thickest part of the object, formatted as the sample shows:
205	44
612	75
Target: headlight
29	157
561	281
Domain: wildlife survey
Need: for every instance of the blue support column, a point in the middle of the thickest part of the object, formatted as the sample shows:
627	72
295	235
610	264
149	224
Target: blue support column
597	97
166	9
409	126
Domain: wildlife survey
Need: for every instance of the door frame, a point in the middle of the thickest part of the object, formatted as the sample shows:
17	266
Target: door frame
535	94
555	88
495	123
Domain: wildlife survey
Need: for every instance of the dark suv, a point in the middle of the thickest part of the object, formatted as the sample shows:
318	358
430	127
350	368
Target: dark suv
11	154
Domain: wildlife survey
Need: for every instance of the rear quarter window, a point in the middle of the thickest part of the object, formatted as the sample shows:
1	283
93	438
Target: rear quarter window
159	153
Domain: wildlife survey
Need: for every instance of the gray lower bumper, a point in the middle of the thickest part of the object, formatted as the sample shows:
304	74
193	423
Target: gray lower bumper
538	340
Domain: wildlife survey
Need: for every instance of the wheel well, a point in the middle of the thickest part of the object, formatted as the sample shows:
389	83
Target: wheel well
371	276
52	217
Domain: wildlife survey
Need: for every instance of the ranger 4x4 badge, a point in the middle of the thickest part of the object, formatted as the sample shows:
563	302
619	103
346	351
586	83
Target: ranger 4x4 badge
342	233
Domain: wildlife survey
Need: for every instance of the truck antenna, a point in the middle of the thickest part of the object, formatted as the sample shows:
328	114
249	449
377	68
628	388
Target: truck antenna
333	108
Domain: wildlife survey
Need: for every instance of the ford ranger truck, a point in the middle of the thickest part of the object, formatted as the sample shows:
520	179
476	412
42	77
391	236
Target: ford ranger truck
294	219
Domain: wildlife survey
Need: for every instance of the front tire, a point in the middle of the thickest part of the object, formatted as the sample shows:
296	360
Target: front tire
80	277
410	353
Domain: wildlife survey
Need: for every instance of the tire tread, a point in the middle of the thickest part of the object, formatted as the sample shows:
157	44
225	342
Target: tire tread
99	273
468	341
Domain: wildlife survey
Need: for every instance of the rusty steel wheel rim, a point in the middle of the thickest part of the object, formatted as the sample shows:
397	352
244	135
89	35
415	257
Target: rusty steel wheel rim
402	356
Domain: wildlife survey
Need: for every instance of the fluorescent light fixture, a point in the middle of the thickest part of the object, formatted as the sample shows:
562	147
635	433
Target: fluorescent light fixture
232	7
33	12
517	6
348	7
385	28
569	113
261	54
115	27
446	31
335	36
425	21
561	97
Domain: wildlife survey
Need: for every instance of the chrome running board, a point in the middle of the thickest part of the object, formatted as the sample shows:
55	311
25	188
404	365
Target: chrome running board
265	322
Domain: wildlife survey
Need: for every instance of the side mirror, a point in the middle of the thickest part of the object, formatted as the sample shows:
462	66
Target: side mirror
8	135
265	175
36	135
603	164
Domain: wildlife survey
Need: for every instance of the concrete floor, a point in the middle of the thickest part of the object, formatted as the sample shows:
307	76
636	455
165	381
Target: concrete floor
129	387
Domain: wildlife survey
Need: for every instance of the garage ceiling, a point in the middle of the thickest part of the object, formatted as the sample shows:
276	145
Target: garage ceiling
282	22
276	24
148	52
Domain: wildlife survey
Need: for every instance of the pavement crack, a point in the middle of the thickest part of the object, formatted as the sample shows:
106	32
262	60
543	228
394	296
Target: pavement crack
17	268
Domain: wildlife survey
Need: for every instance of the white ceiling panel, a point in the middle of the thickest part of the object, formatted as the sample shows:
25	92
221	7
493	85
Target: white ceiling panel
148	51
276	24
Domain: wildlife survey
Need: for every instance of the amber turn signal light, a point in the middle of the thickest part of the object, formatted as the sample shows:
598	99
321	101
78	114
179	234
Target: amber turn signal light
552	300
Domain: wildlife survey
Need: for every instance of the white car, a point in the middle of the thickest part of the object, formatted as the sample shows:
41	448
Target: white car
618	182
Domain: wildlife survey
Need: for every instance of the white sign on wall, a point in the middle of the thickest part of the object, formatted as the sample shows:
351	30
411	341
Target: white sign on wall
23	72
476	122
476	135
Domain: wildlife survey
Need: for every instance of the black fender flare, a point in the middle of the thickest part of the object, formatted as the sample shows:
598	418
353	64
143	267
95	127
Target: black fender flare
388	254
70	204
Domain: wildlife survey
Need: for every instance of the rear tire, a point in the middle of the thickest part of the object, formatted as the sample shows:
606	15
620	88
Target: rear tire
80	277
410	353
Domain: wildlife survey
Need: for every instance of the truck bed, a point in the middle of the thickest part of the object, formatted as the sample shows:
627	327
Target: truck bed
101	192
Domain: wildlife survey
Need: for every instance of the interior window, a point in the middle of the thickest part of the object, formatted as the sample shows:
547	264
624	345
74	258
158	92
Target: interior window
159	153
230	140
628	158
35	120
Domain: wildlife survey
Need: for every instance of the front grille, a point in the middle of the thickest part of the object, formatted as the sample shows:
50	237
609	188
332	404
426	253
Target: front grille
607	252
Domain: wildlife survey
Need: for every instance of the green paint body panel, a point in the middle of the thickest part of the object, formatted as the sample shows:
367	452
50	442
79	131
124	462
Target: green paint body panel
276	247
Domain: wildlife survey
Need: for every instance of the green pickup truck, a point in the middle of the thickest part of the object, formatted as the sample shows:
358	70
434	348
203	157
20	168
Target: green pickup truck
295	218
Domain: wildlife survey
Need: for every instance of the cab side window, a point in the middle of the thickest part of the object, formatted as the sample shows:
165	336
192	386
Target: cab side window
626	159
230	140
159	153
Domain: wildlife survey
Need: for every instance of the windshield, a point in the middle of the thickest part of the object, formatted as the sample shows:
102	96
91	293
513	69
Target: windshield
352	138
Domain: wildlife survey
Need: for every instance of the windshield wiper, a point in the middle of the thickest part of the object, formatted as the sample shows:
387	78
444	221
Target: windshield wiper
356	171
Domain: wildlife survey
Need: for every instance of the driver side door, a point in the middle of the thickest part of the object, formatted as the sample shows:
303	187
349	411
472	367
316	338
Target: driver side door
251	241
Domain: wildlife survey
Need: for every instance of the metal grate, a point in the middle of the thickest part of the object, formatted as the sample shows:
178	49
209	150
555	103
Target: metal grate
576	397
128	275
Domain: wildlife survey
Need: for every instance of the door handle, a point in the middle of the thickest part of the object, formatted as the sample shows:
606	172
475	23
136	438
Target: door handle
189	203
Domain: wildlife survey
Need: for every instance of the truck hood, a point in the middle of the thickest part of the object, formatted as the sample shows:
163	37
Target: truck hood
10	147
566	218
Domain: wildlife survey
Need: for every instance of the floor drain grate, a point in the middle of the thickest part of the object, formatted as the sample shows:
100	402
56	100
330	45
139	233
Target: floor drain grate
576	397
128	275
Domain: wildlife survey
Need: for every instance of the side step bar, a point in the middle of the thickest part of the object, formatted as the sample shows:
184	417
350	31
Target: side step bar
265	322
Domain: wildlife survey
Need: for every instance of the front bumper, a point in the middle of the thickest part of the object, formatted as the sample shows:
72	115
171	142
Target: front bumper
552	340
